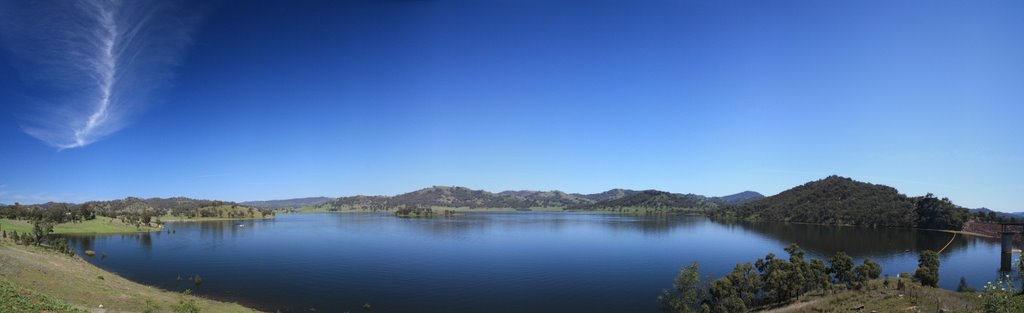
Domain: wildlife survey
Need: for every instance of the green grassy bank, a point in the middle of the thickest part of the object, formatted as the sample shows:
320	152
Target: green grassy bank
33	279
99	225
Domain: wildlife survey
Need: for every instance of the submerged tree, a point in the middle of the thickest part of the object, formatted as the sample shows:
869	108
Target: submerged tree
963	287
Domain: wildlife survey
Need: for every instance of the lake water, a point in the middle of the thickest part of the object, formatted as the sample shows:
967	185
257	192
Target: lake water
489	262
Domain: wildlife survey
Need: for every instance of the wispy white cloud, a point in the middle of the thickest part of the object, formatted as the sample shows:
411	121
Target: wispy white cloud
93	63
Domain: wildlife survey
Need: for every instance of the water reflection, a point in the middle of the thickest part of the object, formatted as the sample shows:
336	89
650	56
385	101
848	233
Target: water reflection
475	262
859	241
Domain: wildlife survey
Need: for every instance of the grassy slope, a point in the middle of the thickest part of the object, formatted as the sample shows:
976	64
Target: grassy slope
99	225
77	282
21	300
877	297
22	227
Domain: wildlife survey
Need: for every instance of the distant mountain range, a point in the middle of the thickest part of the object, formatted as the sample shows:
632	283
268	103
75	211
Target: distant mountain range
462	197
742	197
832	200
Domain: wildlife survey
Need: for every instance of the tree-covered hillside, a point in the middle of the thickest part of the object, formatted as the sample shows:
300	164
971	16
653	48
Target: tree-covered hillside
844	201
652	199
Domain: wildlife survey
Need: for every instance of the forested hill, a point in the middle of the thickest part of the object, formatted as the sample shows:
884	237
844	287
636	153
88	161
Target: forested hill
288	203
131	209
844	201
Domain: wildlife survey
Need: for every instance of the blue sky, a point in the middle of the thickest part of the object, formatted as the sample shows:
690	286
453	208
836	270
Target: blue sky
268	99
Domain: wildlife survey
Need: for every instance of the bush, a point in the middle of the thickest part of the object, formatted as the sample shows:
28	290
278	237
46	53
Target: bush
927	276
866	271
151	307
185	305
1000	297
841	266
927	272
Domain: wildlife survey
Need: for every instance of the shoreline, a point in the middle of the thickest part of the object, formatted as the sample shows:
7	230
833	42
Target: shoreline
82	285
110	226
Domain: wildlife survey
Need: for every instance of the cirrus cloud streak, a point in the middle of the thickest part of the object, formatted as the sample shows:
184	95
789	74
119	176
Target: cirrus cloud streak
91	64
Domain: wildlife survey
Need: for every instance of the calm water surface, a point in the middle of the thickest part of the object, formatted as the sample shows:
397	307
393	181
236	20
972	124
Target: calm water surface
489	262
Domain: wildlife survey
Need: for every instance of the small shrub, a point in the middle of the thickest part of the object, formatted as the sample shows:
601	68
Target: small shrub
100	277
185	305
151	307
999	297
